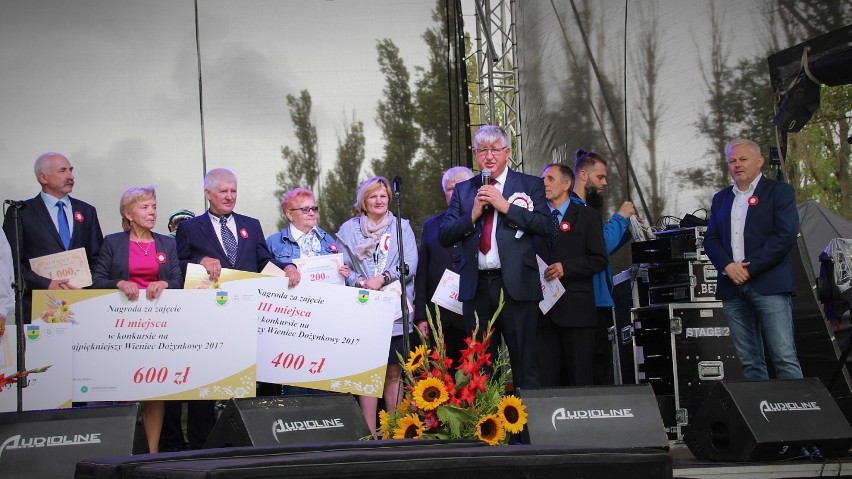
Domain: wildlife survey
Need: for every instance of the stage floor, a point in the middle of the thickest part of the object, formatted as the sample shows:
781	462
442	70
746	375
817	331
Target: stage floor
685	466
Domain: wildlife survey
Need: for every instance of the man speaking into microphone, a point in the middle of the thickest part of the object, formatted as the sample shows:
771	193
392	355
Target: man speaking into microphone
495	217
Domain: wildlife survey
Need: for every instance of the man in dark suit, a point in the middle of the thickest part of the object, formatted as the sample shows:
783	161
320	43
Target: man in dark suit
574	253
433	260
495	224
752	228
223	239
50	223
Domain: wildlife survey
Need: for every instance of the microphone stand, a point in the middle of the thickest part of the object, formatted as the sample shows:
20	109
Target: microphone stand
403	271
20	288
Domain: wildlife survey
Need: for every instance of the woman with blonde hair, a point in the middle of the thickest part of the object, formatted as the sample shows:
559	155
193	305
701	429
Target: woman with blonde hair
372	253
139	260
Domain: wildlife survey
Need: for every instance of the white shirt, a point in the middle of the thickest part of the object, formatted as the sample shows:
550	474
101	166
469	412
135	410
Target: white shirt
217	227
7	274
492	259
739	210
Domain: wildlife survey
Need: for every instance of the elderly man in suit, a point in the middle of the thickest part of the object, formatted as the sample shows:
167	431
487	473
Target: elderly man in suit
52	222
753	227
575	252
433	260
495	224
223	239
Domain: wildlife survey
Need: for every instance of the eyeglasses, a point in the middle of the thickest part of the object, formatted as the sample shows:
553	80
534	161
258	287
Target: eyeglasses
306	209
493	151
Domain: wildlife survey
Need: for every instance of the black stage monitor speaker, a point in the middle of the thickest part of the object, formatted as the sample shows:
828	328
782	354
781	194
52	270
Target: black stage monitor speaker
596	416
50	443
769	421
288	420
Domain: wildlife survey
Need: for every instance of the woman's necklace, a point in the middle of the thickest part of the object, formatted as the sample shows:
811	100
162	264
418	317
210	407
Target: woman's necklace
145	249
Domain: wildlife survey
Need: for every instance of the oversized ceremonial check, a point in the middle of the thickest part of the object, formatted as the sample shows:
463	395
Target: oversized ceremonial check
188	344
325	336
317	335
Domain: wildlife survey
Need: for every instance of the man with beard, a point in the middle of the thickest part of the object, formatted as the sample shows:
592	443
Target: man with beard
590	180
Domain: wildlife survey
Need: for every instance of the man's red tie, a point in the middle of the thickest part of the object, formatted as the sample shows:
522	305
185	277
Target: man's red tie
487	226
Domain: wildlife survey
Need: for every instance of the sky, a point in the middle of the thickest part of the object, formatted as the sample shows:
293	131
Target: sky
114	85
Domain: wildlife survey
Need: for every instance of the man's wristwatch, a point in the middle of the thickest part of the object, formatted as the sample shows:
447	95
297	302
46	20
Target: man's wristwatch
386	277
360	282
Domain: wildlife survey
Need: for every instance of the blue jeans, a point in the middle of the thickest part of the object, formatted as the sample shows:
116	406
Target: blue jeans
757	319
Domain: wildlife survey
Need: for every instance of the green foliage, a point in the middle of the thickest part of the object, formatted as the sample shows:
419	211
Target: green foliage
302	164
740	104
395	115
342	181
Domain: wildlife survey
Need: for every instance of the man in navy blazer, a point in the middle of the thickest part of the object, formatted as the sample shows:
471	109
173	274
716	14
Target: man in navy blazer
40	218
575	252
495	224
752	228
200	240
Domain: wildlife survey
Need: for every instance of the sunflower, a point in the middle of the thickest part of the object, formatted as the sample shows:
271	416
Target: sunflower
409	427
384	422
416	358
512	414
489	430
404	405
430	393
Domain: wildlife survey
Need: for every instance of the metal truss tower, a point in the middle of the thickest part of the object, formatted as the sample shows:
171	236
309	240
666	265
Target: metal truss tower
497	71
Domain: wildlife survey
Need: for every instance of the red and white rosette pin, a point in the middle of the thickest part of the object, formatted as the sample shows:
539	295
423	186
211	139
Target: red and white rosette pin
565	226
161	257
753	200
521	199
332	247
244	233
78	217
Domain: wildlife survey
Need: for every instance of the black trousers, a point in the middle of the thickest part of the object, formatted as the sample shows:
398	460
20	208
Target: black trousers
565	355
516	323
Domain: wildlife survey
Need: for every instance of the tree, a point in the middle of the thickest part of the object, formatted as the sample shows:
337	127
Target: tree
715	124
741	105
395	115
432	113
649	62
341	183
302	164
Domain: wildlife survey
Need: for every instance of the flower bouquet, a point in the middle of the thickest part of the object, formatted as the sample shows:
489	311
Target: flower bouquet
466	405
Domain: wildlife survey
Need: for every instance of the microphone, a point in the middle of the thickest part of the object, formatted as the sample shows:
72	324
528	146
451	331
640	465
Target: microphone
486	180
16	204
396	182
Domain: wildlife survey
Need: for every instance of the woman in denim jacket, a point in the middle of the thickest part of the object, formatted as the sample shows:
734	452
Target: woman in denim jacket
302	238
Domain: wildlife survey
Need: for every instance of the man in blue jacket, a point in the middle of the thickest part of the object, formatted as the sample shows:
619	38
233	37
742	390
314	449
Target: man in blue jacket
753	227
590	174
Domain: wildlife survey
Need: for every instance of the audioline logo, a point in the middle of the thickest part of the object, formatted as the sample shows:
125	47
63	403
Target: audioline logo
281	427
770	407
23	442
563	414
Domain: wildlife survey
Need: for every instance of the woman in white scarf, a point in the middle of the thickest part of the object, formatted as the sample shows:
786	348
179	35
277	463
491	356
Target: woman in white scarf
372	253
